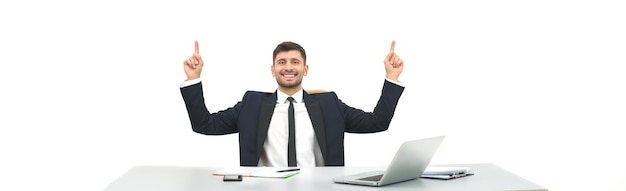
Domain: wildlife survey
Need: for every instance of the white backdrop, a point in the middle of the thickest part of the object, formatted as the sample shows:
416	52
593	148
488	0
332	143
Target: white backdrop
90	89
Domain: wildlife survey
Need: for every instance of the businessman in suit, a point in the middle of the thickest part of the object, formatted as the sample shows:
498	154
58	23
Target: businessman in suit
290	126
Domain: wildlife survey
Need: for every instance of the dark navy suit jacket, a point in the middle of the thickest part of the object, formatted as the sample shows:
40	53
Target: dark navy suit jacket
251	116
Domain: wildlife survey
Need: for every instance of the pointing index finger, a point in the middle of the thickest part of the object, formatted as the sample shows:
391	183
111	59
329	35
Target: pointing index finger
393	46
197	51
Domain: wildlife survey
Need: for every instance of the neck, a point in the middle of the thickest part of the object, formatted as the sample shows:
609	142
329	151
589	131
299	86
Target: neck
290	91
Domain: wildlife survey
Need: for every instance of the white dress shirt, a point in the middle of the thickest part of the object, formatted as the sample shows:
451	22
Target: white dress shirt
274	152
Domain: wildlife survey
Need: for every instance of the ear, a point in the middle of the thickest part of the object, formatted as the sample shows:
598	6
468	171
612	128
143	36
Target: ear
306	69
272	68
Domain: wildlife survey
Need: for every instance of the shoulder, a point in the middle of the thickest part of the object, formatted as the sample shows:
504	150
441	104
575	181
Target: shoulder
252	92
257	94
317	91
257	97
321	94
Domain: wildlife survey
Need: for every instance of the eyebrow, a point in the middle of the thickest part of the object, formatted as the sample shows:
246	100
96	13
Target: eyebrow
285	59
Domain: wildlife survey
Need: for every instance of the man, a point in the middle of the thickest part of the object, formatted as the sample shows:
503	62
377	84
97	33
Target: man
290	126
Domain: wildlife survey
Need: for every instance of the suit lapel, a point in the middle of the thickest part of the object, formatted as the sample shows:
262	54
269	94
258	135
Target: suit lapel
315	113
265	115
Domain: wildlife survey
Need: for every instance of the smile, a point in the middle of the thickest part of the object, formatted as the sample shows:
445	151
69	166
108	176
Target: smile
289	75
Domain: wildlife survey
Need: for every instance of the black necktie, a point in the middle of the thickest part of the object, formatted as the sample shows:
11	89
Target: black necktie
291	148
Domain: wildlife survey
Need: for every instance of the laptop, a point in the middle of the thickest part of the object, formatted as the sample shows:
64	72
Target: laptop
409	163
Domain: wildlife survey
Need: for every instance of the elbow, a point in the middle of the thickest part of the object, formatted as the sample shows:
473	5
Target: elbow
382	128
210	129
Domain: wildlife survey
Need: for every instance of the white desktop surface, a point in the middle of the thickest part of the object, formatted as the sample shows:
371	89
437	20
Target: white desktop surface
161	178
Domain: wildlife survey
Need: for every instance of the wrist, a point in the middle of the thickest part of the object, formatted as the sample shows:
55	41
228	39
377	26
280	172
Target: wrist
192	77
393	78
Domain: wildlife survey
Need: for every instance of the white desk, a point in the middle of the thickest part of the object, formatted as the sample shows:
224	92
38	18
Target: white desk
171	178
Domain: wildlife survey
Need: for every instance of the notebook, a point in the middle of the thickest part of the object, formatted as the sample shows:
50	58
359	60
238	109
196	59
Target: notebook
261	172
409	163
446	172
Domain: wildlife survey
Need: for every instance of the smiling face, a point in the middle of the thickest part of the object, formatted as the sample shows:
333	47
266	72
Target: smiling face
289	69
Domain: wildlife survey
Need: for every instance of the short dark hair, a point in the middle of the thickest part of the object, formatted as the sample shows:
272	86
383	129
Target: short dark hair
287	46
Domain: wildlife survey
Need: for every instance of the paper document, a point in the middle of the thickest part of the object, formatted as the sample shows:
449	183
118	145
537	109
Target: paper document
446	172
263	172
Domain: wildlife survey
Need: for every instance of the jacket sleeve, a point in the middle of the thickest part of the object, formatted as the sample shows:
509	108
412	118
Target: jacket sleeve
359	121
203	121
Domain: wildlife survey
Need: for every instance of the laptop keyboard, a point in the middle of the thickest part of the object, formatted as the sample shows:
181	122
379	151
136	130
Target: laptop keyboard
372	178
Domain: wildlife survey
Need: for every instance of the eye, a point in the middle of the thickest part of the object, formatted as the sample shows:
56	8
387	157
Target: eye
295	62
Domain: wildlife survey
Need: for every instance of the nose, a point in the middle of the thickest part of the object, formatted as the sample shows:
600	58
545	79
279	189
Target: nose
289	66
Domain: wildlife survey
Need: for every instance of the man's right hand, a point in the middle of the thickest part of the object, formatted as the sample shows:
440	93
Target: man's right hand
193	65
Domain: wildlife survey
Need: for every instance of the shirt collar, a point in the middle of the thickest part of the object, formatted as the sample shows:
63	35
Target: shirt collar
282	97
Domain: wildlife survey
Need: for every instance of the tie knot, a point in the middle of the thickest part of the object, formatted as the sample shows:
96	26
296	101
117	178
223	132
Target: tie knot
290	99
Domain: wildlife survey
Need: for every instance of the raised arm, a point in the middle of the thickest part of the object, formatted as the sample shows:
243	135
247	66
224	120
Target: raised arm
203	121
359	121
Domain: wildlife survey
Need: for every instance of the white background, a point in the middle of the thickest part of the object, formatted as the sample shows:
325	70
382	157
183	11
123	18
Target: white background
91	88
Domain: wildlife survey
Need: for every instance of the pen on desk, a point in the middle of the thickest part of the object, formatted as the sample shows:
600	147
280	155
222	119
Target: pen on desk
289	170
